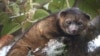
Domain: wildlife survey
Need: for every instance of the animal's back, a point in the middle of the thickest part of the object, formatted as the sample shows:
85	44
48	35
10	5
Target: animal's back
38	35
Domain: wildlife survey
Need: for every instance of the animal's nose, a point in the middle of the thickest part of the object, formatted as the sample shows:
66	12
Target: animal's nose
74	31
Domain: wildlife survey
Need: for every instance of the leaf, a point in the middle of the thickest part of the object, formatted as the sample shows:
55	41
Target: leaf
9	28
40	13
26	26
90	7
19	19
41	2
15	8
3	18
56	5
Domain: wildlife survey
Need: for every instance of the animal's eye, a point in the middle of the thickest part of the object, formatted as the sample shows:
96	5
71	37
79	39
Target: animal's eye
80	23
68	22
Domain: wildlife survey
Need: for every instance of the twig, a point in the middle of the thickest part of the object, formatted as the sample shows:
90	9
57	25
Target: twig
68	5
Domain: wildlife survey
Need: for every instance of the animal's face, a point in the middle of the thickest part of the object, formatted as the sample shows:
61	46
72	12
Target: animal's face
73	22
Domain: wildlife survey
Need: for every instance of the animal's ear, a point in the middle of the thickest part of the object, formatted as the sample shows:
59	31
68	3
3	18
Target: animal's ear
62	14
87	16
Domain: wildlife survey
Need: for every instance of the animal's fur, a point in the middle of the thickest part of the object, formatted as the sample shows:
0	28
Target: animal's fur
51	27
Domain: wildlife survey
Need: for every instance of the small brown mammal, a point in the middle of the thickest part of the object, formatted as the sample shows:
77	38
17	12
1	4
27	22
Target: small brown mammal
70	22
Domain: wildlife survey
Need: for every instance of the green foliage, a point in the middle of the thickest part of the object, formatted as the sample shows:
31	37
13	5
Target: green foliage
41	1
40	13
90	7
3	18
15	8
71	2
57	5
19	19
9	27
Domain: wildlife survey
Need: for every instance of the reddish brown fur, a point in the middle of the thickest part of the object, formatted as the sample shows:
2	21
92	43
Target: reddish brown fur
36	37
6	40
40	33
